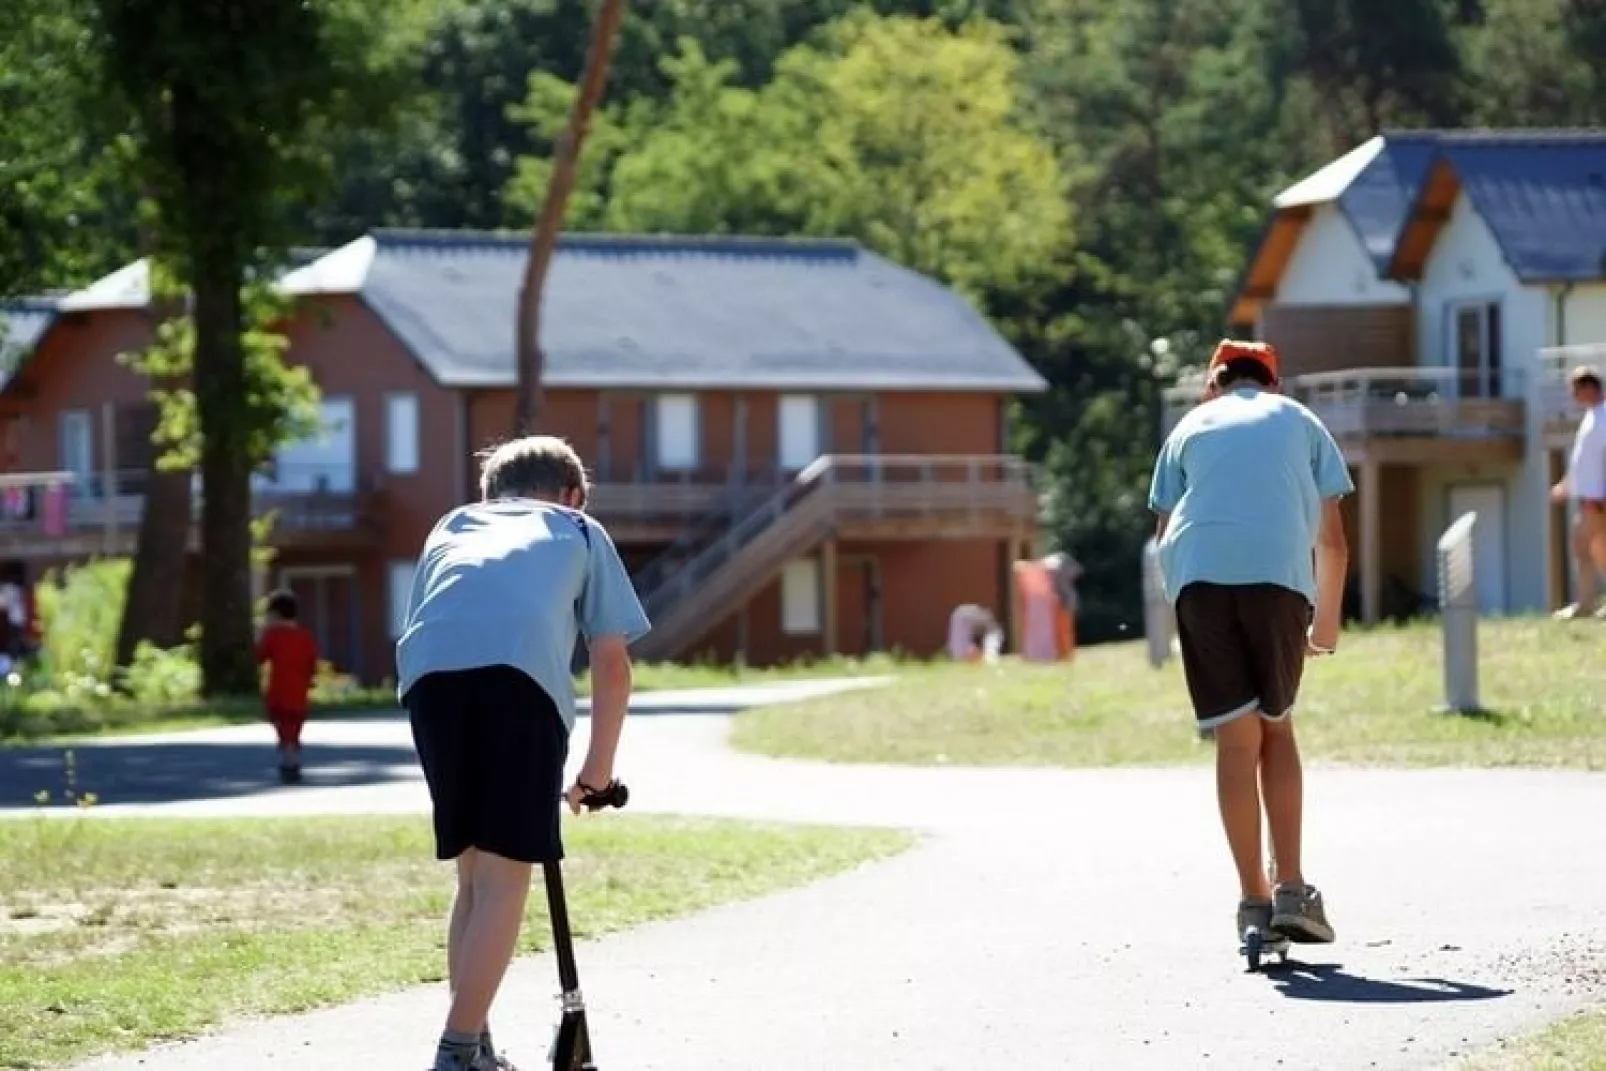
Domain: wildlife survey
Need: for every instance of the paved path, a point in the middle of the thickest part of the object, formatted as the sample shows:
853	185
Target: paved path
1049	920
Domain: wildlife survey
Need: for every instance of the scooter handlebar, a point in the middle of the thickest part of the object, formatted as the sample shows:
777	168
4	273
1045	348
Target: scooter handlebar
616	794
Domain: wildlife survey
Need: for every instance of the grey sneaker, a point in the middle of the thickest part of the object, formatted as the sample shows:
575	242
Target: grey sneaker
1254	915
488	1059
1300	916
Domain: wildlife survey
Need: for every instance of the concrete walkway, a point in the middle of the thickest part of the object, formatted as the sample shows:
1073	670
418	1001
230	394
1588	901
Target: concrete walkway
1049	920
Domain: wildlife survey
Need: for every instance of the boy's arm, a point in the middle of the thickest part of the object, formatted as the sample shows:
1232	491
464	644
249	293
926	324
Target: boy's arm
1332	548
1332	566
610	699
612	619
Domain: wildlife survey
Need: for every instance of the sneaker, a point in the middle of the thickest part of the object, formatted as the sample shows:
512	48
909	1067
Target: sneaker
449	1061
1300	916
1254	915
1576	612
489	1059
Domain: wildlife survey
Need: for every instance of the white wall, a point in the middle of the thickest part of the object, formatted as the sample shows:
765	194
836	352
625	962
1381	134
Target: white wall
1330	267
1466	264
1585	315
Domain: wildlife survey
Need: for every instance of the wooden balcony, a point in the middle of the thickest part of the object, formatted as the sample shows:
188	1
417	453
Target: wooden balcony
57	515
1553	395
1402	415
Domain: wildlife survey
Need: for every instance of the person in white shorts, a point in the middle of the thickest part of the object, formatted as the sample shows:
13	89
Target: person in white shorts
1585	486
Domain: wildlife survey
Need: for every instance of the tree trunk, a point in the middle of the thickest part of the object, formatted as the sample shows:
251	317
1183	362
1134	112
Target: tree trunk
154	607
228	661
527	326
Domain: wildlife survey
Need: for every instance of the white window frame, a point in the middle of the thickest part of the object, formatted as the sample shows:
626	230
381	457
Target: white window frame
664	459
401	434
800	597
1487	380
399	574
796	404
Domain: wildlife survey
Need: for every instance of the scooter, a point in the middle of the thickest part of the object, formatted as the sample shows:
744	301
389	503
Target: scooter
571	1045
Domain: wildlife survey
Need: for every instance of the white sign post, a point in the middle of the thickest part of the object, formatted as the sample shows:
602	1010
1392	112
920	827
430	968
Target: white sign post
1458	610
1158	624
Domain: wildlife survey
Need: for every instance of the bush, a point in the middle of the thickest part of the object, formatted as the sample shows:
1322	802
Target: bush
79	613
158	677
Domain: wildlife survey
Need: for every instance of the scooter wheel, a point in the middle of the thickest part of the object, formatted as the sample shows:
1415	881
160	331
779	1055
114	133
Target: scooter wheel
1254	946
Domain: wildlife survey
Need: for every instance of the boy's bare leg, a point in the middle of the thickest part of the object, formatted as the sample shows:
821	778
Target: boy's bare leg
1282	789
462	908
1238	746
500	887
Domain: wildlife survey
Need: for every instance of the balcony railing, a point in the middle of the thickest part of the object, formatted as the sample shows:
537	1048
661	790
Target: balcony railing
1558	413
59	506
1395	402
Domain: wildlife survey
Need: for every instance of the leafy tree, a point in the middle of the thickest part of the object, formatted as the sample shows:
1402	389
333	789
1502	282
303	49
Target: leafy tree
234	104
66	212
896	131
1377	63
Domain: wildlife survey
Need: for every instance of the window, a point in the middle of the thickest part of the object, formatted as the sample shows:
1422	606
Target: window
800	431
400	591
401	433
327	461
800	597
1475	348
75	447
676	437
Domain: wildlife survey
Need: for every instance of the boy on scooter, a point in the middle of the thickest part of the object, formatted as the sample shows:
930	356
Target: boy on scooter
1246	487
502	590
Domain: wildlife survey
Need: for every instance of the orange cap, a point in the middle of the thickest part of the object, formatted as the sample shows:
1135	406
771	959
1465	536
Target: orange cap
1232	350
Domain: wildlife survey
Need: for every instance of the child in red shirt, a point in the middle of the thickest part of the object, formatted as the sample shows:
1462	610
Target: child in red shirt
291	655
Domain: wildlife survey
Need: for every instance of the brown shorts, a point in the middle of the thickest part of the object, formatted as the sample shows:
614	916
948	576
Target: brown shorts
1243	649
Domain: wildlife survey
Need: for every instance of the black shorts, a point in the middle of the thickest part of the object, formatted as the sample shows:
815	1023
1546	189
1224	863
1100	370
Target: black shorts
1243	649
493	746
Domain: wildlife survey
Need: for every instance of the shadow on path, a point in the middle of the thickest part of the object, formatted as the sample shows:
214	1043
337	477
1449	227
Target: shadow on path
168	771
1329	982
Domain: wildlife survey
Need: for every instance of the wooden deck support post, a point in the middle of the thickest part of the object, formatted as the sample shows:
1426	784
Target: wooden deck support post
1371	521
828	601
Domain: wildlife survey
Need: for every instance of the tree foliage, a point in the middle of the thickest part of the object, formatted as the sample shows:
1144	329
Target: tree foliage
1092	173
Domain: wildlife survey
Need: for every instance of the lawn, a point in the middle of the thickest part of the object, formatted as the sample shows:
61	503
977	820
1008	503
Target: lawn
1543	682
21	723
1575	1044
117	933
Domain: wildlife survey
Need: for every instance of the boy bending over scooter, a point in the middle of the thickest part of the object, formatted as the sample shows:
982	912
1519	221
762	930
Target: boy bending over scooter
502	590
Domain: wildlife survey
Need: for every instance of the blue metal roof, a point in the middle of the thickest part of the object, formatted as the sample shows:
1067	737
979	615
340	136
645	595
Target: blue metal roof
23	322
1379	198
686	312
1542	196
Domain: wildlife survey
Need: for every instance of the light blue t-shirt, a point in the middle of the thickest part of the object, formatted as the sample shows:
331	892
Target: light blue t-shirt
514	582
1243	478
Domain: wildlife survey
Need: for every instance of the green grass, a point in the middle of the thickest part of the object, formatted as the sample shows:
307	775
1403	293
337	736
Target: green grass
22	724
1574	1044
1374	702
117	933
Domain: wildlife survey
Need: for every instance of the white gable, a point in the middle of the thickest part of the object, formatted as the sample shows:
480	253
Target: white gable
1466	265
1330	267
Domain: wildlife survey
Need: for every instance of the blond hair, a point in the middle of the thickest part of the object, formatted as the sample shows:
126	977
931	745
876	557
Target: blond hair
536	466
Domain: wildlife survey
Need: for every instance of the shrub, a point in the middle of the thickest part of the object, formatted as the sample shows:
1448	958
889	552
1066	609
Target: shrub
160	677
79	612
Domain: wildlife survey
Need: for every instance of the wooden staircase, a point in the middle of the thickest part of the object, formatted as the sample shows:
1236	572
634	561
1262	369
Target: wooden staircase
882	497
